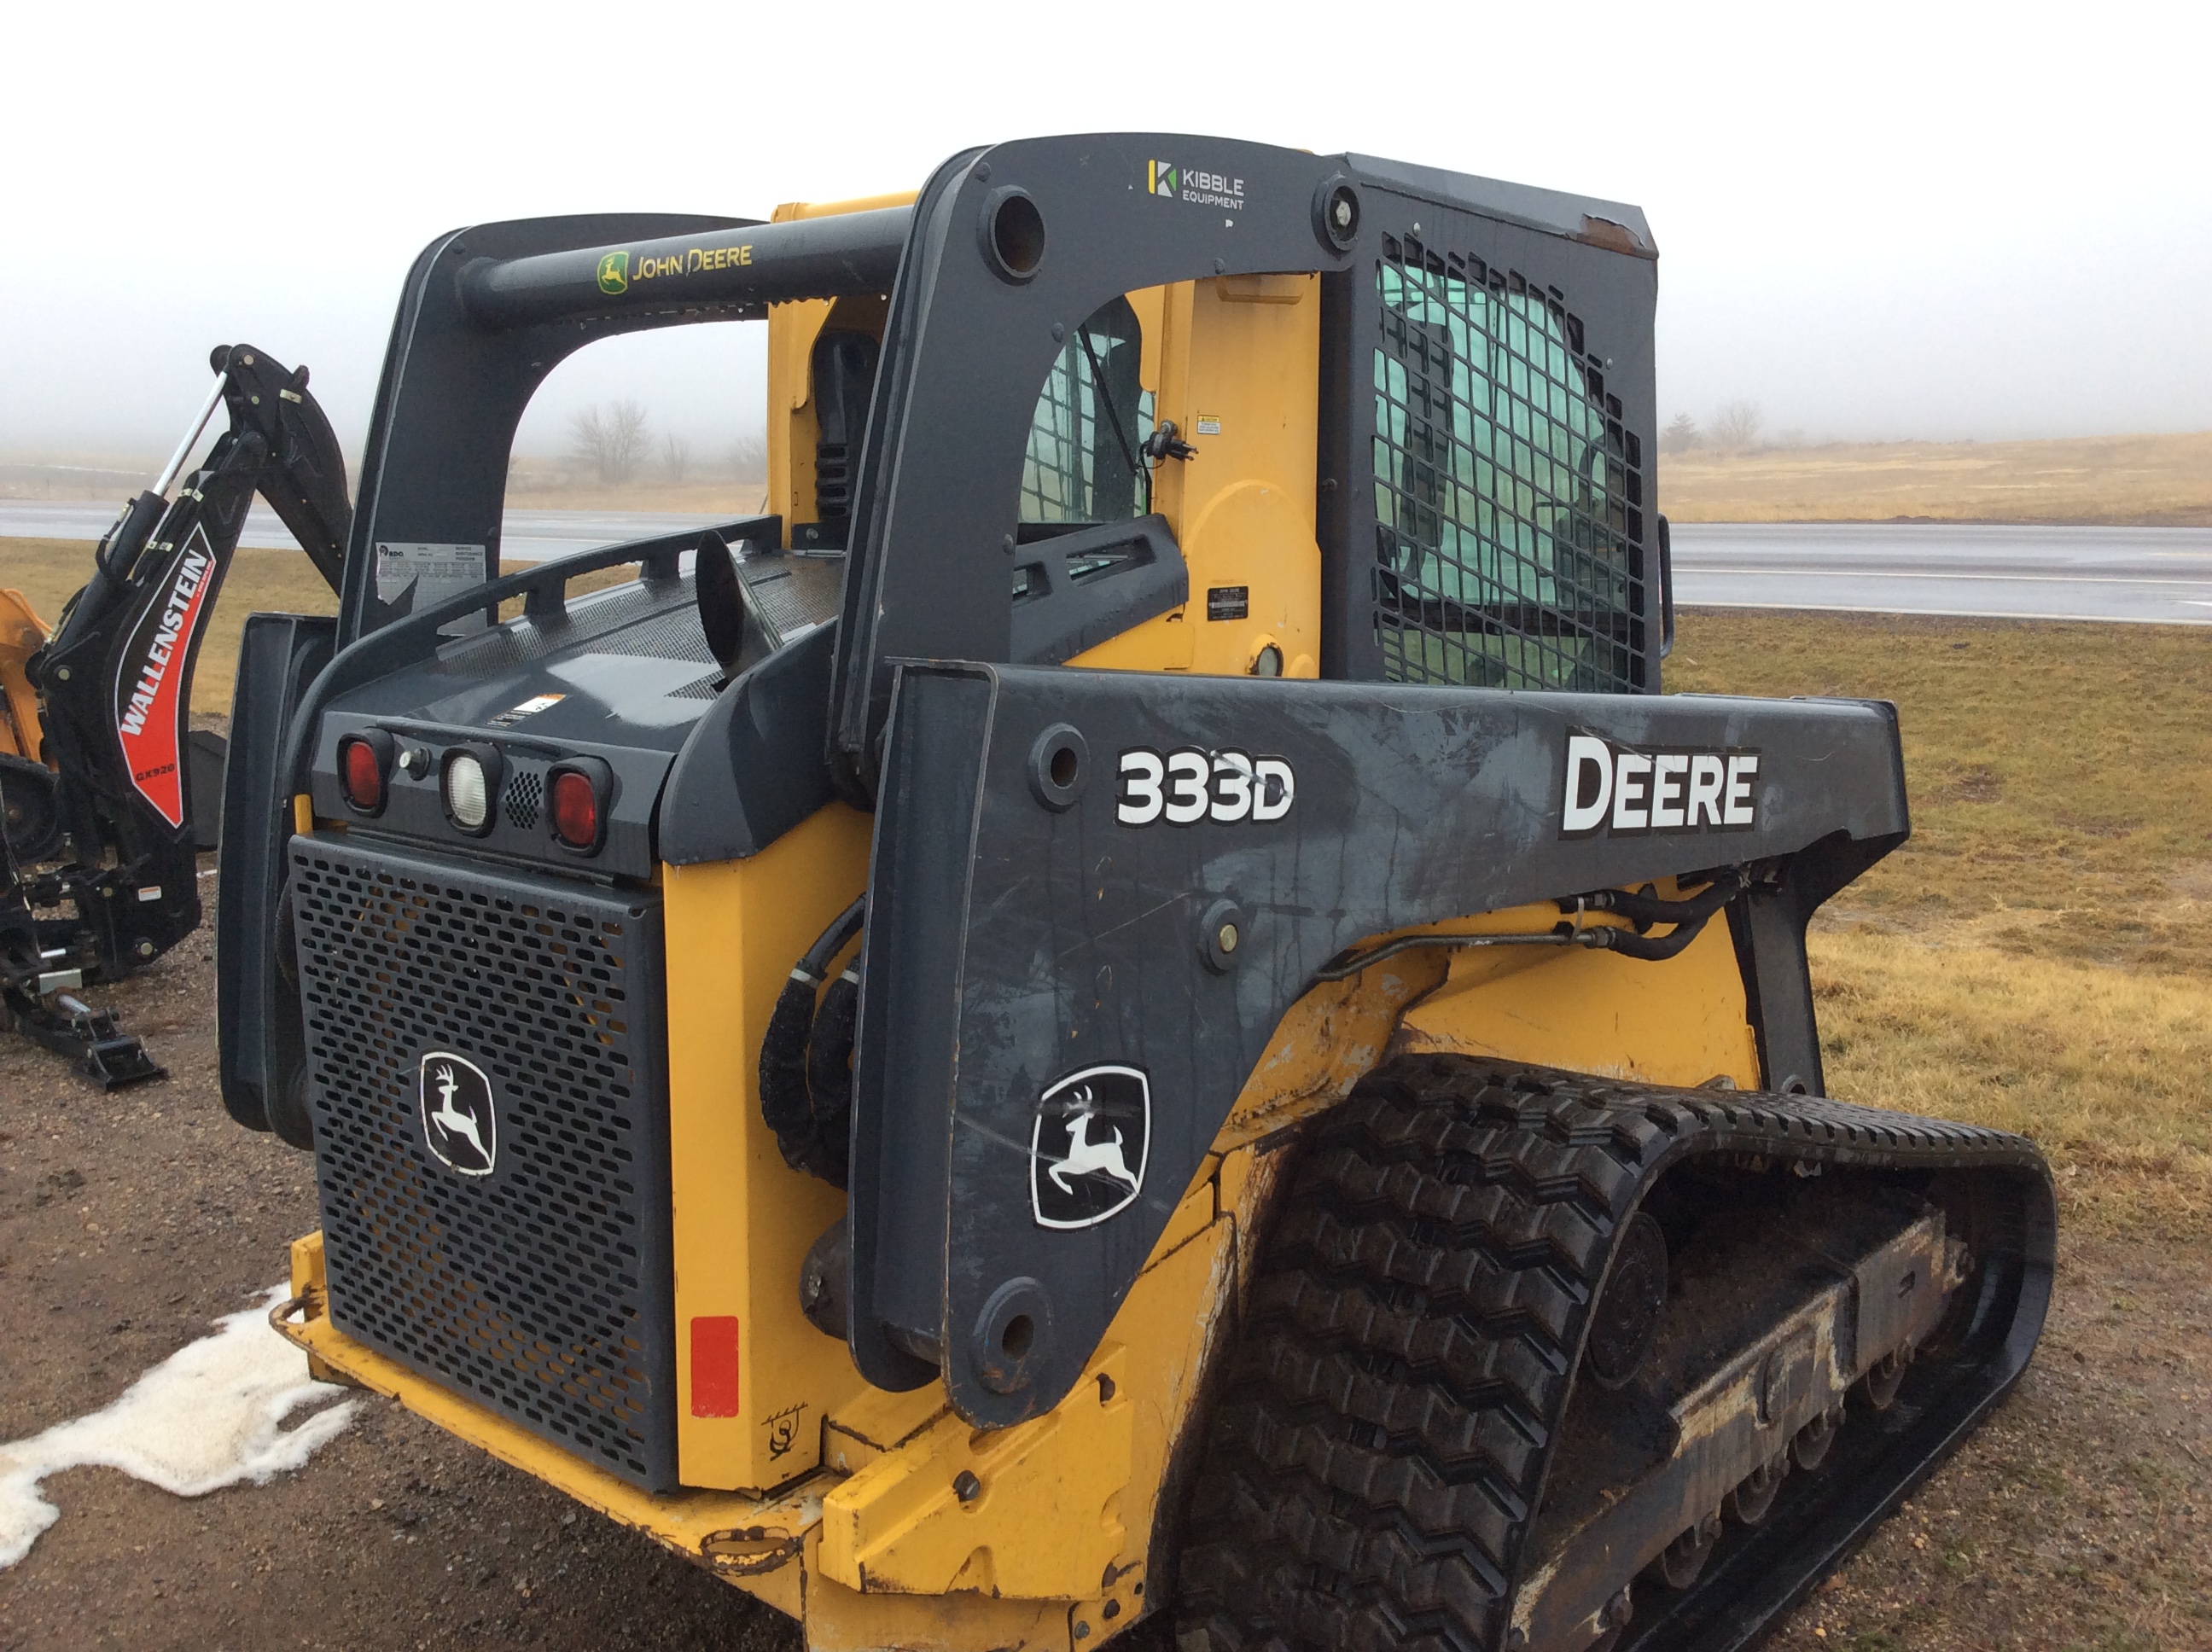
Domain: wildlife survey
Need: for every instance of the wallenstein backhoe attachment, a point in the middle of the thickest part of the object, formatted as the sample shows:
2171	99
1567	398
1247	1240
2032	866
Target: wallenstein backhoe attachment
109	794
1129	1003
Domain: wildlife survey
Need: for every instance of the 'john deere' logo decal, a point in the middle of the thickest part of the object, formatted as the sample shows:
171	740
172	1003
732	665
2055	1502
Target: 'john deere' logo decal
614	273
1628	790
1160	178
1088	1145
460	1125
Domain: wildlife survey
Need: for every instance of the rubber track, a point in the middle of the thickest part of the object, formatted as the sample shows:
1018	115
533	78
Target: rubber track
1380	1446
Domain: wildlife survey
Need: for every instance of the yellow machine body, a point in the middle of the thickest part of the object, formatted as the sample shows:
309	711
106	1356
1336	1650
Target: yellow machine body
21	634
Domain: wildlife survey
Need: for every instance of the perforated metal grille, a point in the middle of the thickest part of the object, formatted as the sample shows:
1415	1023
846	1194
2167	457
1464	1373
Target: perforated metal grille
542	1288
657	619
794	593
1508	493
525	792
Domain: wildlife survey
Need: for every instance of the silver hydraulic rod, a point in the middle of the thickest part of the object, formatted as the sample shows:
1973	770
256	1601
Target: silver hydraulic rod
744	265
192	436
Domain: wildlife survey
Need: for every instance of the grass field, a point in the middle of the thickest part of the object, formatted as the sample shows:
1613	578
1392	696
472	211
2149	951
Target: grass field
2157	481
2032	957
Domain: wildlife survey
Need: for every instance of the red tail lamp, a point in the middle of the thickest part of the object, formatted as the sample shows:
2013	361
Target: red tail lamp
364	764
578	794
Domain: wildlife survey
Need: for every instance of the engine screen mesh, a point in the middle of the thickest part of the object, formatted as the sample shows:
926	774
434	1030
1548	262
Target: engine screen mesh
1508	494
542	1288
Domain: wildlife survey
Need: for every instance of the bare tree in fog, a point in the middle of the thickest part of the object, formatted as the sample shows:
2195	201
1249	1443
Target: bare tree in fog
749	459
1680	435
1735	427
612	440
675	456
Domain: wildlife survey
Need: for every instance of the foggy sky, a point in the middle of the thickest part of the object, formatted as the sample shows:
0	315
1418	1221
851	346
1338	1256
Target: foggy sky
1887	222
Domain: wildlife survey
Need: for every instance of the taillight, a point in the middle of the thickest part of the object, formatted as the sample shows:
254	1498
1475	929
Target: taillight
578	793
575	810
470	781
364	760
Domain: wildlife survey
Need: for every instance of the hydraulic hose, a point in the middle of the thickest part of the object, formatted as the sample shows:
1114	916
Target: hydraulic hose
1644	910
1651	949
1688	916
830	1075
787	1103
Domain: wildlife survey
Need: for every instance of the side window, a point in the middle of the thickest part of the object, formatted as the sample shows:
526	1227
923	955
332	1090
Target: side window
1085	460
1507	493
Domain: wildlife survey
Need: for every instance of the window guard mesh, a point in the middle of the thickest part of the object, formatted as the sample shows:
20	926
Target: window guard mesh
1508	493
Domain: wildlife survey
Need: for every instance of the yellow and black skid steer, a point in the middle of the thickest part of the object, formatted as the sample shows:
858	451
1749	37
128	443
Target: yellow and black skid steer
1129	1009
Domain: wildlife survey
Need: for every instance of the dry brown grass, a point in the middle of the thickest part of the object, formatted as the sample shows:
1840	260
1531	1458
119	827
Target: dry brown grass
2060	774
2034	957
2162	481
537	484
2104	1068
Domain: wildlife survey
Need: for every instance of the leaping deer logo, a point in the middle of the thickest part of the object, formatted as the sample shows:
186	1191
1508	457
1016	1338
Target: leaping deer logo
1090	1144
1086	1156
459	1132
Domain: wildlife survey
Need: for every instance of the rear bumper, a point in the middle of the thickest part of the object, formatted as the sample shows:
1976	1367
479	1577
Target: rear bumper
755	1543
879	1553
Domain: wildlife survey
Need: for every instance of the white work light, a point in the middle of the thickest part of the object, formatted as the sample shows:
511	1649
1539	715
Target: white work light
468	796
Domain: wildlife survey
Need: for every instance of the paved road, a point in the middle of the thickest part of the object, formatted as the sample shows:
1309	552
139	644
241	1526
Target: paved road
531	535
2147	575
2162	575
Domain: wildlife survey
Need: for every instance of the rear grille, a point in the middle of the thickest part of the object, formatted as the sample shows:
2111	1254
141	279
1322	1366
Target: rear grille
542	1288
1509	493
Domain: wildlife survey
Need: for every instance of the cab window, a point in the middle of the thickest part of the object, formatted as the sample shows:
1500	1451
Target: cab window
1086	459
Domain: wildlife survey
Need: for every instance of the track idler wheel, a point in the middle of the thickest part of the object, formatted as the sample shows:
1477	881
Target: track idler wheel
1683	1561
1755	1492
1810	1449
1617	1611
1879	1386
1627	1318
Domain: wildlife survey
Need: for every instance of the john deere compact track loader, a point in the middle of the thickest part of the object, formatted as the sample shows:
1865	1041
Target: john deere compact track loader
1132	1006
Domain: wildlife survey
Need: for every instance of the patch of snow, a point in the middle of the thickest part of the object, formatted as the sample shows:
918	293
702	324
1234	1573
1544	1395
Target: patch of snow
208	1416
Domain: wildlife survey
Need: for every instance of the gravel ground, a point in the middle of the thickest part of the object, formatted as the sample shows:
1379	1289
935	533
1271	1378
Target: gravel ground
2081	1517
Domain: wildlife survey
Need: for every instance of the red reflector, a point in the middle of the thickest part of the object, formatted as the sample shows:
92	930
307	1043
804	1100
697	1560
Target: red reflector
575	810
714	1365
364	775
